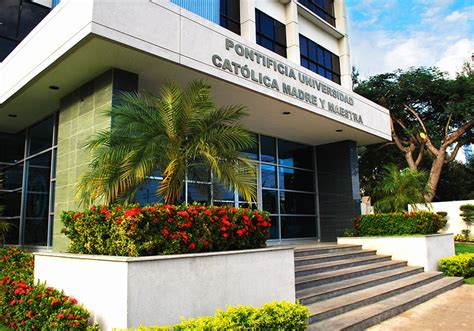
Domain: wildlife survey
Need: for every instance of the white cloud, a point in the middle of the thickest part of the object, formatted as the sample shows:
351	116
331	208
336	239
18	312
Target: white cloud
441	38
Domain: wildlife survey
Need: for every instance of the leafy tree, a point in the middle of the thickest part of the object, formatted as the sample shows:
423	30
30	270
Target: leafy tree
456	182
175	133
429	113
399	188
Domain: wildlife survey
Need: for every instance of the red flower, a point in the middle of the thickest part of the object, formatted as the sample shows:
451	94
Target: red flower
225	235
165	232
206	243
30	313
192	246
239	233
12	302
132	212
60	316
74	301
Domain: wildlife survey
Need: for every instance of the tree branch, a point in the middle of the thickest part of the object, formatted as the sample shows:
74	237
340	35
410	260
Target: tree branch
396	139
417	117
446	128
458	133
421	154
458	146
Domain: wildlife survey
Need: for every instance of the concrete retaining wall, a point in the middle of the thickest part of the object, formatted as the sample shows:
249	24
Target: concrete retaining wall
125	292
424	251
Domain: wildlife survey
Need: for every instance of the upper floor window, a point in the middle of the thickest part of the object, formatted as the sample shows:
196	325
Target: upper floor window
271	33
322	8
319	60
230	15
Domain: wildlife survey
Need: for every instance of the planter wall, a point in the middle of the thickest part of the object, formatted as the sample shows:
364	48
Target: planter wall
423	250
125	292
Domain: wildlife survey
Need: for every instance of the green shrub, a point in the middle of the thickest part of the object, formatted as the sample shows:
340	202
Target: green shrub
164	229
26	306
461	265
394	224
459	237
272	316
442	213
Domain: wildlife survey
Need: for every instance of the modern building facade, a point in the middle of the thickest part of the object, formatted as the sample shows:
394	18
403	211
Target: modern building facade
287	60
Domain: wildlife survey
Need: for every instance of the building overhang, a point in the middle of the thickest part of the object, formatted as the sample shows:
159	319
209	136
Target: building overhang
159	41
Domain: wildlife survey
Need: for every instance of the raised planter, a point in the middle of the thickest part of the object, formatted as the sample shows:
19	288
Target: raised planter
422	250
124	292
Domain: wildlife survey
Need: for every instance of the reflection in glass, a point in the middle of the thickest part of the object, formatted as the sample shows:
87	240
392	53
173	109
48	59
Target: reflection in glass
268	176
222	193
146	194
299	180
296	203
298	227
274	229
295	155
269	201
199	193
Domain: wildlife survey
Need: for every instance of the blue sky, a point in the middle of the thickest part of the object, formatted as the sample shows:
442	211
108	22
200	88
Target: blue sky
388	34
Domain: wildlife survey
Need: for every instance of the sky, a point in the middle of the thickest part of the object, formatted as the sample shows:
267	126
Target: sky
386	35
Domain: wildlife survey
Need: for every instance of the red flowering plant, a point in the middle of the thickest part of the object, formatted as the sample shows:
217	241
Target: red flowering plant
164	229
393	224
28	306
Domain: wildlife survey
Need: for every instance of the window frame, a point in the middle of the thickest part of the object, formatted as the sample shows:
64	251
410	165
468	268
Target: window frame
277	46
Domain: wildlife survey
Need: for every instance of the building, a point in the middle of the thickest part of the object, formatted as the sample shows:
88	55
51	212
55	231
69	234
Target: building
287	60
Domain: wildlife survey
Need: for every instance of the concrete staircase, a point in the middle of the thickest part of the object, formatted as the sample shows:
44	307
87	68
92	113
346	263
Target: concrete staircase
347	288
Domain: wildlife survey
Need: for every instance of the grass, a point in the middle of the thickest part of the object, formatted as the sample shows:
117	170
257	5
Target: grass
465	248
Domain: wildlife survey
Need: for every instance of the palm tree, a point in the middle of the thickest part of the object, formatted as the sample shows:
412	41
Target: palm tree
172	133
399	188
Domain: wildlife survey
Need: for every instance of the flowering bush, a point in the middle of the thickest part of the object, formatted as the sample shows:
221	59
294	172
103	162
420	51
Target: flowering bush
393	224
24	305
164	229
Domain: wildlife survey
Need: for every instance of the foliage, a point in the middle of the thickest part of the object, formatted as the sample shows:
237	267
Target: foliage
399	188
442	213
464	248
429	113
272	316
461	265
394	224
25	305
456	182
459	237
175	134
5	225
467	214
164	229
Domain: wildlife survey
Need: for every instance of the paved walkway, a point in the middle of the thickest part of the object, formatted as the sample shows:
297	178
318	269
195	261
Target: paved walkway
453	310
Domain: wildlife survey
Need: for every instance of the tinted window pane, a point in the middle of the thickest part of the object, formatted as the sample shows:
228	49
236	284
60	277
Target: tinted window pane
252	153
295	155
268	176
12	236
271	34
298	227
222	193
11	203
268	149
299	180
274	229
9	10
147	193
269	201
41	136
6	46
198	193
296	203
31	15
13	176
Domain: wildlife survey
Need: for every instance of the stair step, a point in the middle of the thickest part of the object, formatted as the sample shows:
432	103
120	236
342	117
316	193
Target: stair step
339	264
339	305
319	258
323	249
304	282
364	317
324	292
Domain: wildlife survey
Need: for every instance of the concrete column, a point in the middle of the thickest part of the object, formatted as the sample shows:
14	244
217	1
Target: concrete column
247	20
292	31
344	53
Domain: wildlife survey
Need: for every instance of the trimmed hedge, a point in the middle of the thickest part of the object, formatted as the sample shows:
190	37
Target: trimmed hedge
393	224
272	316
164	229
461	265
26	306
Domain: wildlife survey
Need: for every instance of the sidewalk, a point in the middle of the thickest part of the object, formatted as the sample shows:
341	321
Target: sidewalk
453	310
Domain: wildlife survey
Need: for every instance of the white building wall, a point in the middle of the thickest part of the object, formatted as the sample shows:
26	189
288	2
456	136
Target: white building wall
317	35
273	8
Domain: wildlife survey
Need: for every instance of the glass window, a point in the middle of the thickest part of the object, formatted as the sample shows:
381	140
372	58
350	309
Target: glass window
268	149
298	226
268	176
296	203
41	136
295	155
252	153
274	229
223	193
271	33
146	194
31	14
13	177
199	193
12	237
9	10
298	180
6	47
269	201
319	60
322	8
230	15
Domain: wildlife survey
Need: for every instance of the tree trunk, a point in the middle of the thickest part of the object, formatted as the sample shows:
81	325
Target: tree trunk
435	173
